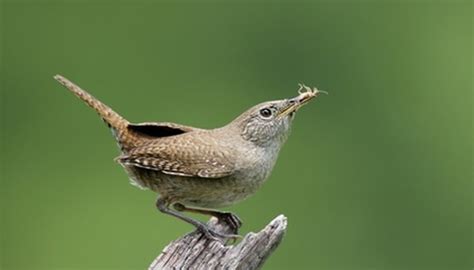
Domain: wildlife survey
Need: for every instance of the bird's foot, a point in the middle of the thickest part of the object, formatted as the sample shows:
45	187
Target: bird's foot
230	219
217	236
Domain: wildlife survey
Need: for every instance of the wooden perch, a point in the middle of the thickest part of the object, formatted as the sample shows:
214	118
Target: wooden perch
194	251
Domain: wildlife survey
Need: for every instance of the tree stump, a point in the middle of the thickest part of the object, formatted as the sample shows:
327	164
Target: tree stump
195	251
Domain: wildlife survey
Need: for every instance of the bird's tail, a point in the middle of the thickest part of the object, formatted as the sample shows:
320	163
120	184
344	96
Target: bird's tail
110	117
117	123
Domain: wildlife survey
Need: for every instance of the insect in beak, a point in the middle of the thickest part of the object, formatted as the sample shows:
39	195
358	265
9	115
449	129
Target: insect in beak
305	95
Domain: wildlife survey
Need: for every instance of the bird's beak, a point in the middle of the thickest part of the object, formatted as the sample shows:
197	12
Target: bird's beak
305	95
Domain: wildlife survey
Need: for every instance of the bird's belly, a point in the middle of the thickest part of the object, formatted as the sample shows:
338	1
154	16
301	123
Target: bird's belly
194	191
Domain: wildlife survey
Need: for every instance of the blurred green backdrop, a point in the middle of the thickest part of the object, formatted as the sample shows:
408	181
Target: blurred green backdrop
377	175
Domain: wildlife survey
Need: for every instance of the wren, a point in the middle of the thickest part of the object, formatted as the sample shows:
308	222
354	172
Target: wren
194	169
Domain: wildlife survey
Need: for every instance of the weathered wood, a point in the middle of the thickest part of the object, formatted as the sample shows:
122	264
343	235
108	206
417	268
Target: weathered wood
194	251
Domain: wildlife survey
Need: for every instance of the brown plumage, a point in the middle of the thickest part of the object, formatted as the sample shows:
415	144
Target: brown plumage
190	166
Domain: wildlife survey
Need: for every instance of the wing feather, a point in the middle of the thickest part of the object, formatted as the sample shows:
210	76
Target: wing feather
189	157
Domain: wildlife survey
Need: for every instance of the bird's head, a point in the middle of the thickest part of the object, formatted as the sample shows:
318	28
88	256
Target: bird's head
269	122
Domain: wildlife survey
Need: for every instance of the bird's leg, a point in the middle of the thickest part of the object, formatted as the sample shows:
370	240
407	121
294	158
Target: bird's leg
163	206
229	218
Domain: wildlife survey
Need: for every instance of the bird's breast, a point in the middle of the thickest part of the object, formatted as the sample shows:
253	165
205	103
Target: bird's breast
258	164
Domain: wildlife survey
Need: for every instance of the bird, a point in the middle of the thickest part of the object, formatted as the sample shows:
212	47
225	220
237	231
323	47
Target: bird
200	170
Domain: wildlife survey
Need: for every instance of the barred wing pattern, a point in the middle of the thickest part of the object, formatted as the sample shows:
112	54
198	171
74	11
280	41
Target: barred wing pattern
189	158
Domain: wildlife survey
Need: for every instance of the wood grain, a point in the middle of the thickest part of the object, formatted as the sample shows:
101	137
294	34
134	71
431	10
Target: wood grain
194	251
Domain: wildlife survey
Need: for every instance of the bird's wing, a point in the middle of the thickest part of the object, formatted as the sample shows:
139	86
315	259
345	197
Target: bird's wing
191	157
159	129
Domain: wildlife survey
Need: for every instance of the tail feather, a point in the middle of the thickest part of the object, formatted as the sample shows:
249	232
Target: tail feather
113	119
118	125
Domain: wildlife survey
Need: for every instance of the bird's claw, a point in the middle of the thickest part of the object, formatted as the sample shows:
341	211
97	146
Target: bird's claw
230	219
217	236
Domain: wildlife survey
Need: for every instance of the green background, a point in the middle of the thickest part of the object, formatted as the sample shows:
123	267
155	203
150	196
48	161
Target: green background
376	175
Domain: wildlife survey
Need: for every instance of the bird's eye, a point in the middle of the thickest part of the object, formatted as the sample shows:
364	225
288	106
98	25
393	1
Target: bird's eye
266	112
